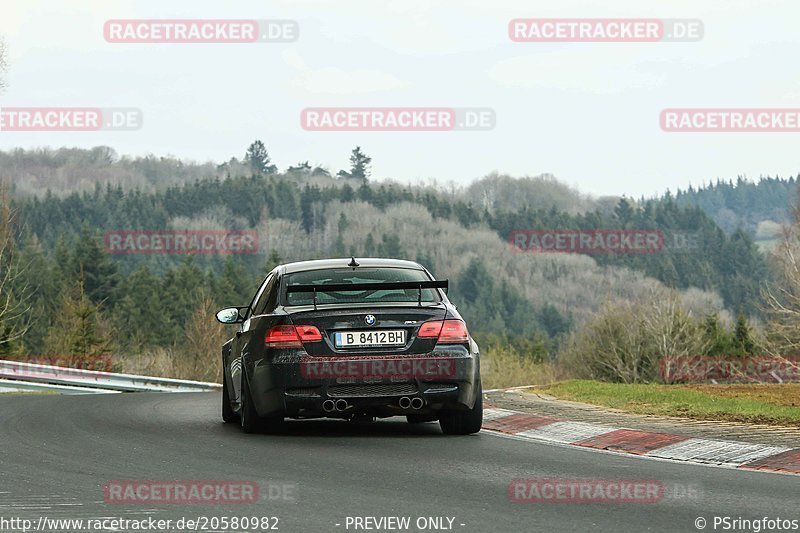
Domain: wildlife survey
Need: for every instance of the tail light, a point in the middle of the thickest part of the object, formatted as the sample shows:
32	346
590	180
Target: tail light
291	336
308	333
430	329
444	331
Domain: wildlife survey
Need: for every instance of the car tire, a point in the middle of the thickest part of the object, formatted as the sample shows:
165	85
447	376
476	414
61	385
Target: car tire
464	422
228	414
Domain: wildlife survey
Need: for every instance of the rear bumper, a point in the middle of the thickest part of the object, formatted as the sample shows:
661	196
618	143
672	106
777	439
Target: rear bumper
287	387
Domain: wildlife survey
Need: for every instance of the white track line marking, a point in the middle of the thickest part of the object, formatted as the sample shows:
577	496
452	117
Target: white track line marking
493	414
734	453
566	432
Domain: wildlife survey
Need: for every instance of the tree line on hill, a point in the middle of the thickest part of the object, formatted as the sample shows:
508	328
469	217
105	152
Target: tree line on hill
743	204
80	298
729	264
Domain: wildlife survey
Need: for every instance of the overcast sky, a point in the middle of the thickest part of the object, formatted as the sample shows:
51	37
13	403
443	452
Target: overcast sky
586	112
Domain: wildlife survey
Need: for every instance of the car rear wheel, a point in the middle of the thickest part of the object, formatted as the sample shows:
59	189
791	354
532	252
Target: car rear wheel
228	414
464	422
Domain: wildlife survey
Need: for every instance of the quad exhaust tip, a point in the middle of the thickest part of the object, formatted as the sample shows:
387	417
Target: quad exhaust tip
342	405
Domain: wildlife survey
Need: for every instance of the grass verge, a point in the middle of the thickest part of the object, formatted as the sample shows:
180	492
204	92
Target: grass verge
503	368
767	403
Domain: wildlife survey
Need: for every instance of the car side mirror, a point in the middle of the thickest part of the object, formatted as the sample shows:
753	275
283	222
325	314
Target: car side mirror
231	315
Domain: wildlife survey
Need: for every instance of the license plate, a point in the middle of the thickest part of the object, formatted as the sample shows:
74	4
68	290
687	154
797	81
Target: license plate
386	337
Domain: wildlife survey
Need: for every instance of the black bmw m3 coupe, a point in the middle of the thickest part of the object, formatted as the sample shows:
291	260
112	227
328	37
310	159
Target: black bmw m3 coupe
353	339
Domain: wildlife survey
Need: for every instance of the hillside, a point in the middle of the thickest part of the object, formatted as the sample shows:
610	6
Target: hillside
459	234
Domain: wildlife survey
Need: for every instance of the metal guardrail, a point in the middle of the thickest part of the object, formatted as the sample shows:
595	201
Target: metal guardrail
108	381
14	385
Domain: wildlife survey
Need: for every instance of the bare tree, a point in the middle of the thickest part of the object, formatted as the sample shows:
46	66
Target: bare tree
14	295
199	354
782	297
626	341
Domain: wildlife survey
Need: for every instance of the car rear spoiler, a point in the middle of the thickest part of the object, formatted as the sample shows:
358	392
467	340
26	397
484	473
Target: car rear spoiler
386	285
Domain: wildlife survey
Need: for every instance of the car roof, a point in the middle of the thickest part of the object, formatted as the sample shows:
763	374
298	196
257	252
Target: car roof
372	262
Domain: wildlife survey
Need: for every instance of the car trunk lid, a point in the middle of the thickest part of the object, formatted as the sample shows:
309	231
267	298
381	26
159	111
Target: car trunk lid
374	329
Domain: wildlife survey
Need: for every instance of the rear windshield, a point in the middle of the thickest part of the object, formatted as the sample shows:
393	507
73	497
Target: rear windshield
359	275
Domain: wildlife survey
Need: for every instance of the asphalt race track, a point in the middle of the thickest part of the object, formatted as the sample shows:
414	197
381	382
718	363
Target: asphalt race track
58	452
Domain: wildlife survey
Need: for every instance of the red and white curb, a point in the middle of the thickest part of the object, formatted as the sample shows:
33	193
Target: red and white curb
643	443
